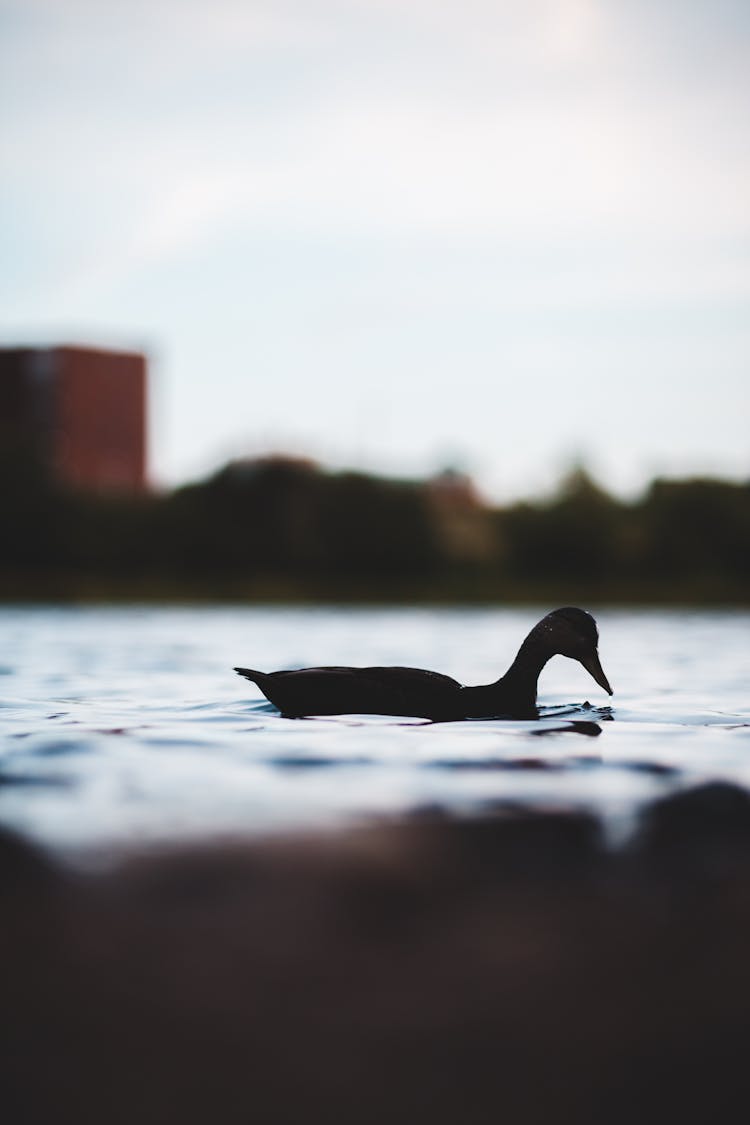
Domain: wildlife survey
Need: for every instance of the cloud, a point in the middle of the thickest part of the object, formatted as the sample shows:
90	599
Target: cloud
476	116
543	155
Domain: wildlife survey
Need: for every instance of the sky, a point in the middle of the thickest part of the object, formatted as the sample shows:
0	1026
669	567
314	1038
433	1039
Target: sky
394	234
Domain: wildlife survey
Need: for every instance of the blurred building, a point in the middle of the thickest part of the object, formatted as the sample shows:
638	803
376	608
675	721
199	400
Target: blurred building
81	411
460	517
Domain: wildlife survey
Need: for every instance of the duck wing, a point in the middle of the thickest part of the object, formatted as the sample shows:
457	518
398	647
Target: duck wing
359	691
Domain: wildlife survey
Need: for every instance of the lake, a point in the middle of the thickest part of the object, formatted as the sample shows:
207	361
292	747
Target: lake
127	726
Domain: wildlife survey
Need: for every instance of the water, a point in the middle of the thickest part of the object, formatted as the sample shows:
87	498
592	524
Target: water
123	726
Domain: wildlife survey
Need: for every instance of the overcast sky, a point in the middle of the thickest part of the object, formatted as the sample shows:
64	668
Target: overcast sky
394	233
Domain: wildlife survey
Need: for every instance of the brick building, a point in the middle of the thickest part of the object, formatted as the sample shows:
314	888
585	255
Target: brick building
82	411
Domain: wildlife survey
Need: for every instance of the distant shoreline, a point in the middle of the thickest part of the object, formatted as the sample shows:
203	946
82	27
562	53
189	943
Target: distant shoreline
187	599
92	590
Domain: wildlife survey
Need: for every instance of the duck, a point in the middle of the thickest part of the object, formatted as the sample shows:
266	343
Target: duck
418	693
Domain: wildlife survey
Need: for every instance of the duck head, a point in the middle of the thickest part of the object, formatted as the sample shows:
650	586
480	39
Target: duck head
572	632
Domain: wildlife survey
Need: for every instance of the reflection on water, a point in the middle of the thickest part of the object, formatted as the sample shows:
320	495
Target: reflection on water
123	725
579	726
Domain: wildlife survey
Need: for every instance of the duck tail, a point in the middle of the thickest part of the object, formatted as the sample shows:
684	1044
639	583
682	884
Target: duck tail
251	674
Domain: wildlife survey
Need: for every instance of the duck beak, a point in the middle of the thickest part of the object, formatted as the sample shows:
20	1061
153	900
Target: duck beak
593	666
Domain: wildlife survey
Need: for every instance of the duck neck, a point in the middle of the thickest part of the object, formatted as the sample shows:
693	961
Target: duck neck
522	676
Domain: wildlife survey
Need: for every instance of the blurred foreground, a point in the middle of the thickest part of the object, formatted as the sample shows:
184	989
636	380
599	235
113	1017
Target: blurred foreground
430	969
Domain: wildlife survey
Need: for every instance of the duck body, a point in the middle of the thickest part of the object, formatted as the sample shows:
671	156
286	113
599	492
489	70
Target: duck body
360	691
431	695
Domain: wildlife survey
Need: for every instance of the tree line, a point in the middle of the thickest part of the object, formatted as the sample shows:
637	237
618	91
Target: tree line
285	527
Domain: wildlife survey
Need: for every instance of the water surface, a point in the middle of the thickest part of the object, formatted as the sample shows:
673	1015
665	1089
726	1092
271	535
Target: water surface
124	726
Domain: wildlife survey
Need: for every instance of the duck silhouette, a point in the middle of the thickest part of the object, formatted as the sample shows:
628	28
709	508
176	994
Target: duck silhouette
430	695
